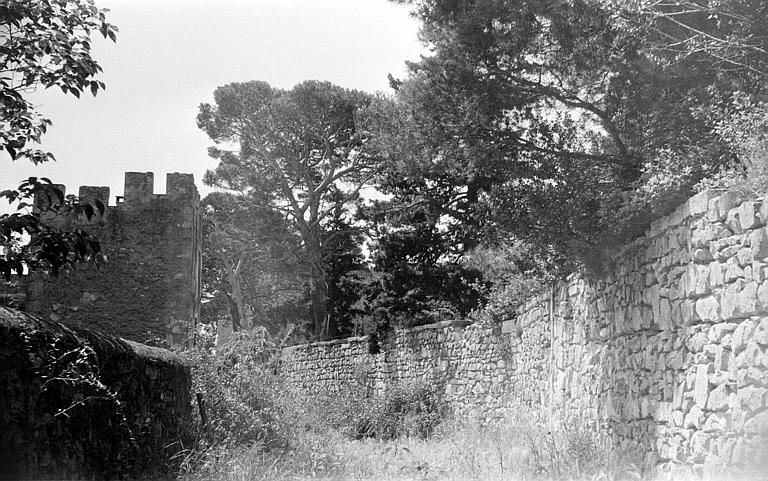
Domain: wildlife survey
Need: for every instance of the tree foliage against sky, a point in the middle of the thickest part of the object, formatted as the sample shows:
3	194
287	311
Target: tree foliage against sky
302	152
43	43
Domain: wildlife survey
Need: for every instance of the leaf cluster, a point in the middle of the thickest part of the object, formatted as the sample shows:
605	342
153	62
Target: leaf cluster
30	240
44	43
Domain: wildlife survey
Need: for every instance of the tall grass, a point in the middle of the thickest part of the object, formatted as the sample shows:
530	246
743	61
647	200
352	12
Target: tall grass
507	451
261	429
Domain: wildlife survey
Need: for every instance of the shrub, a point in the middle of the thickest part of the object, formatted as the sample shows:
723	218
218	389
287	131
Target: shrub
411	409
241	399
745	129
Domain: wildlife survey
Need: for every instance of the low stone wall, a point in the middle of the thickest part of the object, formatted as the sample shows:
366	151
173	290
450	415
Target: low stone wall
76	404
666	354
481	372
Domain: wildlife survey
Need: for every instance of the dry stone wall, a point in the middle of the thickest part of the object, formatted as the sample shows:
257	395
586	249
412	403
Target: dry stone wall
665	354
478	371
668	351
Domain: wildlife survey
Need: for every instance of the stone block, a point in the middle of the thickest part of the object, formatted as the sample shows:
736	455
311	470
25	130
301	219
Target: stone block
678	397
748	215
679	215
739	300
762	295
688	280
732	221
761	332
741	334
701	256
718	331
724	253
733	270
716	275
718	207
675	360
693	418
702	278
716	422
701	385
688	313
697	342
758	242
708	309
663	412
722	359
718	398
699	445
678	417
757	425
758	271
665	320
509	327
752	398
752	354
745	257
698	204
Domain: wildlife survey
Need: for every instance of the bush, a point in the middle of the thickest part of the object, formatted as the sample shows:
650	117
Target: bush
406	410
745	129
241	399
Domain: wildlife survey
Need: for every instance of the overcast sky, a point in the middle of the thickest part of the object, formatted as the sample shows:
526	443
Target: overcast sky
171	55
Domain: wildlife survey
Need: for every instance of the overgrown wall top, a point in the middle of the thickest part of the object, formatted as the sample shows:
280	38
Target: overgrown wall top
77	404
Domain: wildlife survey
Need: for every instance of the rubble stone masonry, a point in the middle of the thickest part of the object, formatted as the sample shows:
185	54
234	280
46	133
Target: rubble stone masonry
665	354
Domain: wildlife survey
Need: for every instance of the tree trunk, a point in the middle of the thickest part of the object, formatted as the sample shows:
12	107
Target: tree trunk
319	293
237	308
234	311
318	287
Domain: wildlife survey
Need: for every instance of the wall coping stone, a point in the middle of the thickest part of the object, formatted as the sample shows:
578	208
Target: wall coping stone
290	349
459	323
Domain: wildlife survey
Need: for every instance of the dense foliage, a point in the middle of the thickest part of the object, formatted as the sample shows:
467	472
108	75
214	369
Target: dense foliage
251	272
541	120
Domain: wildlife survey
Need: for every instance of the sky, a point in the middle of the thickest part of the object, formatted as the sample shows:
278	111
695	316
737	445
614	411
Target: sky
171	55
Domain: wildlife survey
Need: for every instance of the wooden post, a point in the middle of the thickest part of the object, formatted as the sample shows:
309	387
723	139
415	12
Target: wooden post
203	414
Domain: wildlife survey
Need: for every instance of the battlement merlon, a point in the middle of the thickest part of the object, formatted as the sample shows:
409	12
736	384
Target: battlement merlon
181	186
90	194
44	197
139	187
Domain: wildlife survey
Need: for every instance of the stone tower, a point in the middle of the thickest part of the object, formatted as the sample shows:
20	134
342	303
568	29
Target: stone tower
150	287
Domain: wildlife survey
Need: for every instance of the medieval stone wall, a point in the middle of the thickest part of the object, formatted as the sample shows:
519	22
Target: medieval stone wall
666	354
150	286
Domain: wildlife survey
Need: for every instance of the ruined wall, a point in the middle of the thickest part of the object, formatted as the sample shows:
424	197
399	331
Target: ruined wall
150	286
666	354
77	404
